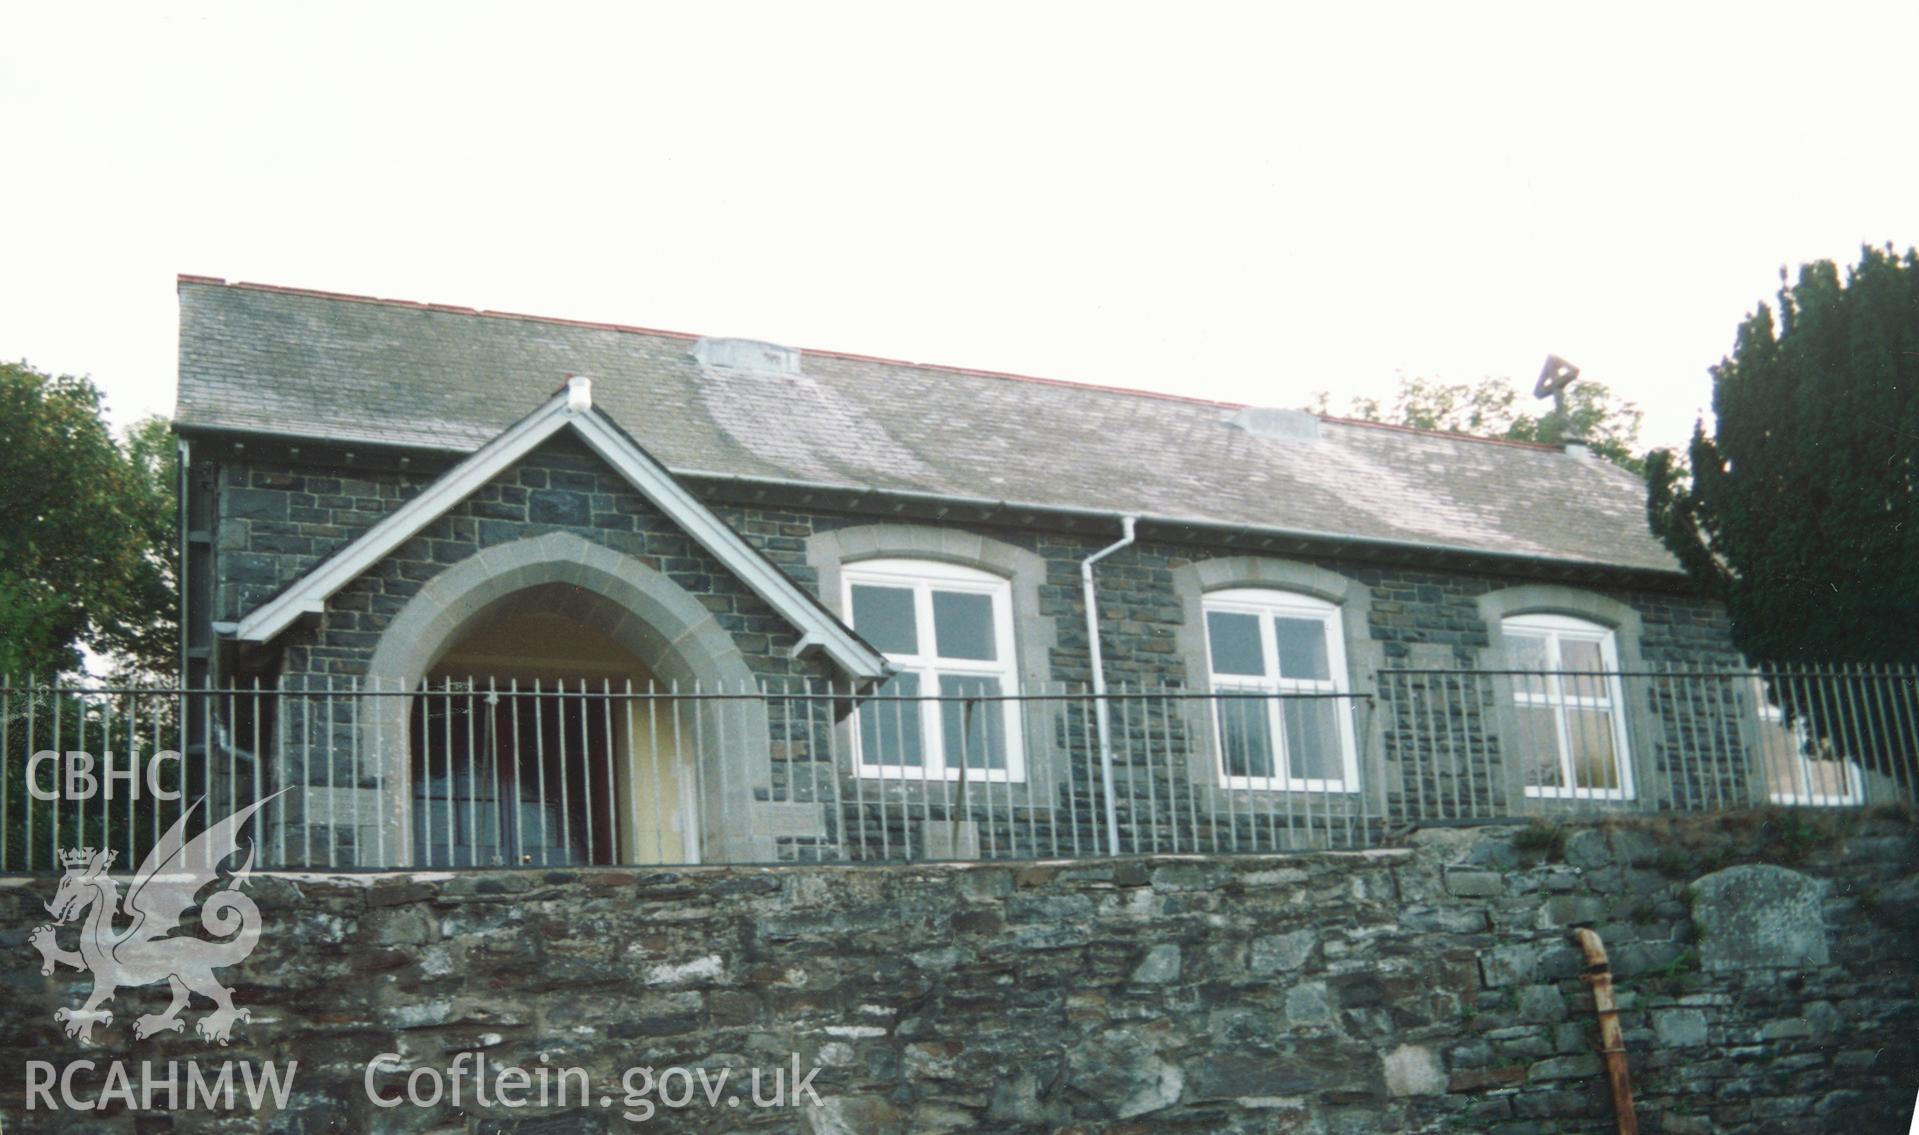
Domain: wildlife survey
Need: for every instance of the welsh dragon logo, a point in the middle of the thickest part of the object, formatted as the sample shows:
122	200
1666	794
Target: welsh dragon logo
146	951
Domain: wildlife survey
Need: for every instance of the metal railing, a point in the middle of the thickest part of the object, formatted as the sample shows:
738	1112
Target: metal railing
1464	745
344	775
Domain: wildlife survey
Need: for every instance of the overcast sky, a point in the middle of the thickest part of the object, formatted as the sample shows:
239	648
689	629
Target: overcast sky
1246	203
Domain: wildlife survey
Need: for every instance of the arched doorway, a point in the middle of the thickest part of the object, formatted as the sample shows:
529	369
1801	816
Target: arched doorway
539	740
454	674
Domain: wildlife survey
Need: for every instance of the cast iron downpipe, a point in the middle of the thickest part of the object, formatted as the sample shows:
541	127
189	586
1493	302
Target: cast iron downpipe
1598	975
1099	678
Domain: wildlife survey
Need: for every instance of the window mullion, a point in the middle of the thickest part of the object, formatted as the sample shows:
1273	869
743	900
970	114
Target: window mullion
1275	714
932	749
1555	684
1562	739
1556	695
932	723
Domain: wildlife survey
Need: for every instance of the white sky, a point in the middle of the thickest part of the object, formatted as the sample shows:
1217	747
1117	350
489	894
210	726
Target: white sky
1246	203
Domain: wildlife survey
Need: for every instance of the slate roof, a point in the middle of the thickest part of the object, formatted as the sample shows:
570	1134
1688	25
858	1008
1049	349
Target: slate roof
266	360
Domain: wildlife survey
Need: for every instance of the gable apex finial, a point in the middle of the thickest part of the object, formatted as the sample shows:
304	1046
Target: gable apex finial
579	394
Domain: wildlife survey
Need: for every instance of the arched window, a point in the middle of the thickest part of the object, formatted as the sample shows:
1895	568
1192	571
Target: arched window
949	629
1570	706
1283	721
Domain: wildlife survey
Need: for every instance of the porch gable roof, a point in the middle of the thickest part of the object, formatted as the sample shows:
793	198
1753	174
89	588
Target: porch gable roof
571	408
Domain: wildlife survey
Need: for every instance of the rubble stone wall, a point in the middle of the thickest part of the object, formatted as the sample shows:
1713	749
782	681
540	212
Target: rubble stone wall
1764	963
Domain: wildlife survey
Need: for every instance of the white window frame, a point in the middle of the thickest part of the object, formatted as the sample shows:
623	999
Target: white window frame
923	577
1265	604
1773	718
1555	630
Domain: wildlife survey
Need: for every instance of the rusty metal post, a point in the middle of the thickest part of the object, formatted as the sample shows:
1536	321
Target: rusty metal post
1598	977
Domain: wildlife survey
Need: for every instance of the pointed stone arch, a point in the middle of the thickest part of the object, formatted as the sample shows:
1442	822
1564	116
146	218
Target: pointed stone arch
637	607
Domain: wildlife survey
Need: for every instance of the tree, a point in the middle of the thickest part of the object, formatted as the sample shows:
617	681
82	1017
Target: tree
86	556
1799	511
143	636
1492	408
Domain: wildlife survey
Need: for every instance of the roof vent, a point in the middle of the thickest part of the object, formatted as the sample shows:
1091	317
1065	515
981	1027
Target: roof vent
1282	425
748	355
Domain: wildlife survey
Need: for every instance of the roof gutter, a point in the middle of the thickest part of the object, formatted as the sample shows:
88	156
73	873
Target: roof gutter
1099	677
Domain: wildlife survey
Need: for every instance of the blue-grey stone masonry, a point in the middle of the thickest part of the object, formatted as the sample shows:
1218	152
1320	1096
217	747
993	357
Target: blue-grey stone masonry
1432	987
278	522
